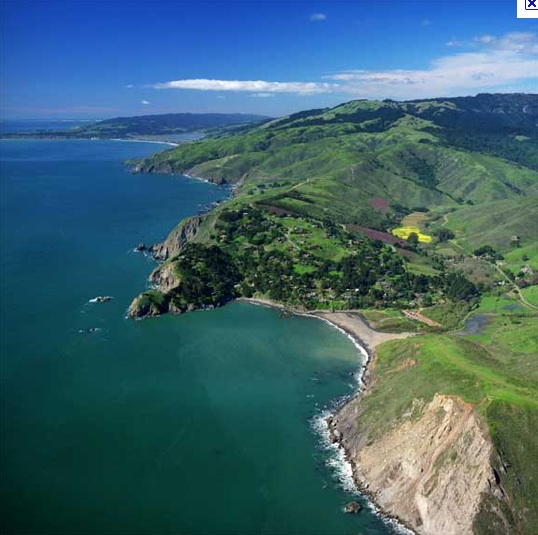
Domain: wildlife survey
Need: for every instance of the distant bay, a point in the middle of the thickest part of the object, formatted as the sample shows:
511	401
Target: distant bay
194	424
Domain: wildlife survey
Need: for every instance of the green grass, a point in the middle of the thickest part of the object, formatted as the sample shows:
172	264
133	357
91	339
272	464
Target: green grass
513	342
497	371
301	270
531	294
449	315
491	304
416	368
522	256
421	269
514	432
495	223
391	321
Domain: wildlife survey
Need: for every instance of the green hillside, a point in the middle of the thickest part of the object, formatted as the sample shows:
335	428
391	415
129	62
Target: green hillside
346	162
365	165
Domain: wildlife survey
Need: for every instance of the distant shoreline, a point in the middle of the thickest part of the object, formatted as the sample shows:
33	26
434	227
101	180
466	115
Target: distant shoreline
29	137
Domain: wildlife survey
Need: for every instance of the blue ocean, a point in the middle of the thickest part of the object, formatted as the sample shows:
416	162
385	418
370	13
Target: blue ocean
195	424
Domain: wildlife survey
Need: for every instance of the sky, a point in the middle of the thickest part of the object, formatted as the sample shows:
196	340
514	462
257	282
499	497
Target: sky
109	58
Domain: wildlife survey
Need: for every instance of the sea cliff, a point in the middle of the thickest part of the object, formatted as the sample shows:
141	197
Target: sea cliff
429	470
424	457
182	234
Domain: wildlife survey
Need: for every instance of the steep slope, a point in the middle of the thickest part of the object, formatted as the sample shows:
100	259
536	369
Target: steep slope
430	471
444	437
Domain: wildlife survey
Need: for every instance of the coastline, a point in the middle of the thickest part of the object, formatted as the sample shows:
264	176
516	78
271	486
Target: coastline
348	321
356	328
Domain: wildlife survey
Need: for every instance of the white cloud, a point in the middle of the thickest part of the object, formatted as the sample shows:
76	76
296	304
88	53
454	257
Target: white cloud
145	102
485	39
524	42
129	86
257	86
318	17
495	64
487	63
454	43
426	22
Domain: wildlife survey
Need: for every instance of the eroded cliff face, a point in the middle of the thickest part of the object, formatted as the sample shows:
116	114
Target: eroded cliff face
429	471
183	233
144	307
164	277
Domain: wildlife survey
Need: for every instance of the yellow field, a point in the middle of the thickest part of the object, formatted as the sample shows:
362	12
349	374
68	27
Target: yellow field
410	224
403	232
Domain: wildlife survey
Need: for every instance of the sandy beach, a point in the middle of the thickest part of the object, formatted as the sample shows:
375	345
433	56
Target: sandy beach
349	321
355	325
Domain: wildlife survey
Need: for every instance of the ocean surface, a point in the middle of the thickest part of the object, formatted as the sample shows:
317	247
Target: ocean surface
197	424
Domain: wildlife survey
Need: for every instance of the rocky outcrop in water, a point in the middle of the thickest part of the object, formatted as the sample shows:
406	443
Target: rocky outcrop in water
353	508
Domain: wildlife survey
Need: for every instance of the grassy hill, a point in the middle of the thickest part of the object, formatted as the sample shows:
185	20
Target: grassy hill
344	162
496	371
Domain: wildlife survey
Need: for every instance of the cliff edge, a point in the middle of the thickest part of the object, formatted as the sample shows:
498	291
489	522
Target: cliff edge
428	471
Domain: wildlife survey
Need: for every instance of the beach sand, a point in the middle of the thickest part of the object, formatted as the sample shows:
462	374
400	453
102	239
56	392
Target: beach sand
355	325
349	321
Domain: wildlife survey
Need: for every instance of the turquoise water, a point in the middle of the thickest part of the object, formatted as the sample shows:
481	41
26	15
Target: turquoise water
199	424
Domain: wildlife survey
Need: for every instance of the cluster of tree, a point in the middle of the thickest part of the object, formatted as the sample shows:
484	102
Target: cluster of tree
488	252
248	261
208	277
425	172
255	254
520	148
444	234
458	288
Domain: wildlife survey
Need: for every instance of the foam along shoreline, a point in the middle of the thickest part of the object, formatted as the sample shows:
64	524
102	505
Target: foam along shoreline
343	469
365	339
